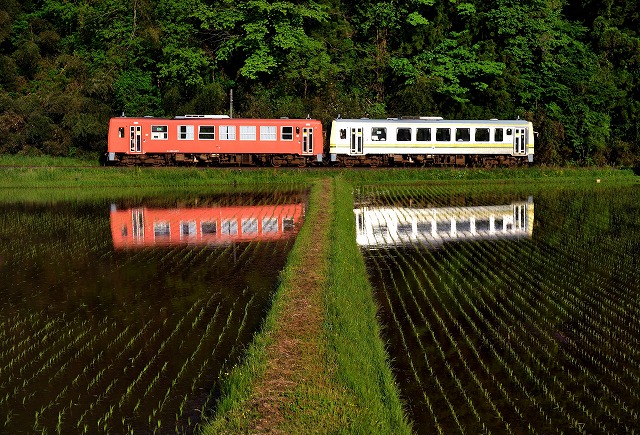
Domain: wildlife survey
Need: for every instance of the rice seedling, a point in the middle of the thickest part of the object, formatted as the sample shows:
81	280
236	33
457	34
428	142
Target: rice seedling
529	329
120	336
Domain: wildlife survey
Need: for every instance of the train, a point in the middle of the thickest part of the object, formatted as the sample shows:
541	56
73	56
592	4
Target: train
218	140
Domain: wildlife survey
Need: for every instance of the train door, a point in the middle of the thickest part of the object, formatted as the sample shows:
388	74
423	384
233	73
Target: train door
135	139
137	224
307	140
520	217
520	142
356	140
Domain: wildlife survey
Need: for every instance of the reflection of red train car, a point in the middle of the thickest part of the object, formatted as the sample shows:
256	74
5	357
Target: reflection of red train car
211	139
139	227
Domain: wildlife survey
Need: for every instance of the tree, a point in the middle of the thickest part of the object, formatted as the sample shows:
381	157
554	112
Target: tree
558	74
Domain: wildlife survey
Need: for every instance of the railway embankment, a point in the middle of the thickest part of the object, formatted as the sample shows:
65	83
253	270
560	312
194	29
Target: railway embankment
318	365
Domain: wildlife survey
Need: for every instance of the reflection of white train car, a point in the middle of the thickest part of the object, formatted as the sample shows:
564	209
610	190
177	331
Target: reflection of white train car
384	226
430	141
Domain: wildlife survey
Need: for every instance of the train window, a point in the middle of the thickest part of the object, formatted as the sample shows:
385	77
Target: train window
499	135
288	224
286	133
269	225
227	132
463	134
423	134
443	227
209	227
185	132
187	228
380	229
207	132
121	132
482	135
403	134
161	229
247	132
509	132
482	225
268	132
229	227
159	132
343	133
443	134
250	226
378	133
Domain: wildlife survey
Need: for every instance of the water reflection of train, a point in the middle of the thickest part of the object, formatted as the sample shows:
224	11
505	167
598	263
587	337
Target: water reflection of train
383	226
143	226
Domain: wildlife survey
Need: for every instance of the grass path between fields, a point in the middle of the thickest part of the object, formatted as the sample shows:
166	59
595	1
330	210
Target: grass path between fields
318	365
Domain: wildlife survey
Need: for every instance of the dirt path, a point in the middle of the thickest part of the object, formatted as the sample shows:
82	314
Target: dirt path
296	357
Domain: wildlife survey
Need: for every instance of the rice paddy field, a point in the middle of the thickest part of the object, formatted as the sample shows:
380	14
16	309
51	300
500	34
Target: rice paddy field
512	309
122	315
508	300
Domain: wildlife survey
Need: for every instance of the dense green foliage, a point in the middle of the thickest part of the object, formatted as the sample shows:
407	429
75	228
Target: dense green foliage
570	66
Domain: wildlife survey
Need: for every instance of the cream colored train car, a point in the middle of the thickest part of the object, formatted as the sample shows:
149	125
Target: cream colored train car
430	141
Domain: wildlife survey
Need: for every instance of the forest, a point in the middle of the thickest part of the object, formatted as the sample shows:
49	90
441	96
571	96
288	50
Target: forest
572	67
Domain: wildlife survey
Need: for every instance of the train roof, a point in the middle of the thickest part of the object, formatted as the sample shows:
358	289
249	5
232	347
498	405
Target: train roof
434	120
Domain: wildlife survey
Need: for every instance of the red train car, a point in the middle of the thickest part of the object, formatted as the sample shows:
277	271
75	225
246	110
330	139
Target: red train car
147	227
215	140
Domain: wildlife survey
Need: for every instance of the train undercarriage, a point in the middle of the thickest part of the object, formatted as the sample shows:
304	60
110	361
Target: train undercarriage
185	159
291	160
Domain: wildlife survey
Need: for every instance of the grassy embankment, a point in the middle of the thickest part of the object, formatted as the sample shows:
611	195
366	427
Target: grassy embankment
77	182
18	160
39	184
35	172
336	378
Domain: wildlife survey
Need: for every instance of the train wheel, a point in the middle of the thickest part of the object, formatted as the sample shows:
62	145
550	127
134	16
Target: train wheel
348	163
276	162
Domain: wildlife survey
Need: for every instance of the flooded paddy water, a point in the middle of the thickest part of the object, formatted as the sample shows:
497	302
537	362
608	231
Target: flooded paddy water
121	316
509	311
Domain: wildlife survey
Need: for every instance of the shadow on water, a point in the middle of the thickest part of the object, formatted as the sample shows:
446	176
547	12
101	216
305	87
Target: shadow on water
120	316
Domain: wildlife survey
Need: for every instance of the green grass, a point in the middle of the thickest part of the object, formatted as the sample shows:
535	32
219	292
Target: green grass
40	175
232	415
108	177
352	330
360	395
505	175
18	160
37	184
